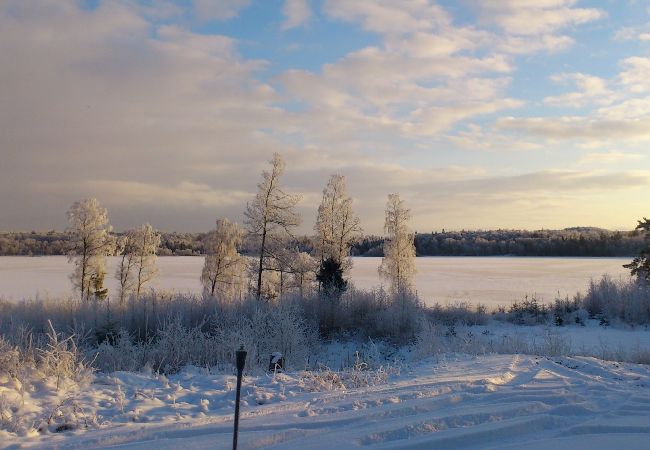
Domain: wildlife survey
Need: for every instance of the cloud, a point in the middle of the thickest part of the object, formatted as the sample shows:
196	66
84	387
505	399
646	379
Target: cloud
407	85
173	126
529	26
577	127
475	137
531	17
622	115
136	193
635	76
610	157
207	10
389	17
641	33
519	45
104	94
591	89
296	13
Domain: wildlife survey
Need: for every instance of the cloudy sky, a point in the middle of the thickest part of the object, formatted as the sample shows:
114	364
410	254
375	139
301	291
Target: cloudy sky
481	114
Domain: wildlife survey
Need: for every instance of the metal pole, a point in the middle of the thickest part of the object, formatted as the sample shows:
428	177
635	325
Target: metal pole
241	361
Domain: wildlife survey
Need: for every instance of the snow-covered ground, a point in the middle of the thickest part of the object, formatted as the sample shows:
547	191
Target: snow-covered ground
488	280
452	400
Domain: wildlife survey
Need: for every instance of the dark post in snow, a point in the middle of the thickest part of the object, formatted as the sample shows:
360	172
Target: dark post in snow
241	361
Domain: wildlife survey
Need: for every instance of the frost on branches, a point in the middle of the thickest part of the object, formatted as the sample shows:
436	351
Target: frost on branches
223	268
337	227
398	264
137	265
270	217
91	242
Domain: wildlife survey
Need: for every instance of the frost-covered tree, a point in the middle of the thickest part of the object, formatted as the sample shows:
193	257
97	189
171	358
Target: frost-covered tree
271	215
146	241
91	242
640	266
224	267
137	264
304	271
398	264
336	227
124	270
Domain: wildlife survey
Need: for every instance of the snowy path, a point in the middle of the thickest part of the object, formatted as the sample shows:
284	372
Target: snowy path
497	401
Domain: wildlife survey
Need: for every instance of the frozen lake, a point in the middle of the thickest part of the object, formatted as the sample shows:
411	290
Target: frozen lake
488	280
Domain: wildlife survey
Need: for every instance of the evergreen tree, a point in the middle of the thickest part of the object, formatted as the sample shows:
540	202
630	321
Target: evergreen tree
330	276
640	266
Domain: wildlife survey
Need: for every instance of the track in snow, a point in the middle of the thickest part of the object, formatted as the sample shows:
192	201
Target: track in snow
498	401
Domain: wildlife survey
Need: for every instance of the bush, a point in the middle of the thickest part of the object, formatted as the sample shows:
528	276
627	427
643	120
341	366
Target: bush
624	301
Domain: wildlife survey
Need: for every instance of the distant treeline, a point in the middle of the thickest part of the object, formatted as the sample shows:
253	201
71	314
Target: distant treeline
57	243
580	241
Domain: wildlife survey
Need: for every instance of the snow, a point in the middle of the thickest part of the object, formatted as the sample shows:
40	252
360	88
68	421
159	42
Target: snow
488	280
449	401
496	281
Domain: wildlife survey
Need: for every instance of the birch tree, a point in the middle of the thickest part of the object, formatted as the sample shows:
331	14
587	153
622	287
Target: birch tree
223	267
337	227
91	242
271	215
137	264
124	270
145	243
398	264
304	272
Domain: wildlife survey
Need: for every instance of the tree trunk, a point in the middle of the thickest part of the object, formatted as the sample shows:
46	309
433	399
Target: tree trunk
261	265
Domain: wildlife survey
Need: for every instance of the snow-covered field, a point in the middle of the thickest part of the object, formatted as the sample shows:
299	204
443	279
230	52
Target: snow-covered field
453	401
488	280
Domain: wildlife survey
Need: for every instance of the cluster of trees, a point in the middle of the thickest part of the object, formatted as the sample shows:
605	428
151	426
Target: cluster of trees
33	243
91	242
282	263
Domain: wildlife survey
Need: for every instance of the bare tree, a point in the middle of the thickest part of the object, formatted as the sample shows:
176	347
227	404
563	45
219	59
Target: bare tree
271	214
223	267
336	227
91	242
398	264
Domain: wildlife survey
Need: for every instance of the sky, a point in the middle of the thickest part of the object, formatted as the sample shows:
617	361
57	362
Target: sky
523	114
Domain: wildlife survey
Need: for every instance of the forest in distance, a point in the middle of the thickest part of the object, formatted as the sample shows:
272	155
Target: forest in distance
575	242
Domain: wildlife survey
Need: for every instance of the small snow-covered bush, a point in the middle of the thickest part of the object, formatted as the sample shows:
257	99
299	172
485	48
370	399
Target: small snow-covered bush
459	313
62	359
528	312
9	358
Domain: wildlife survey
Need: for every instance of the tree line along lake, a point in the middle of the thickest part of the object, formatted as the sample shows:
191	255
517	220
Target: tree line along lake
492	281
